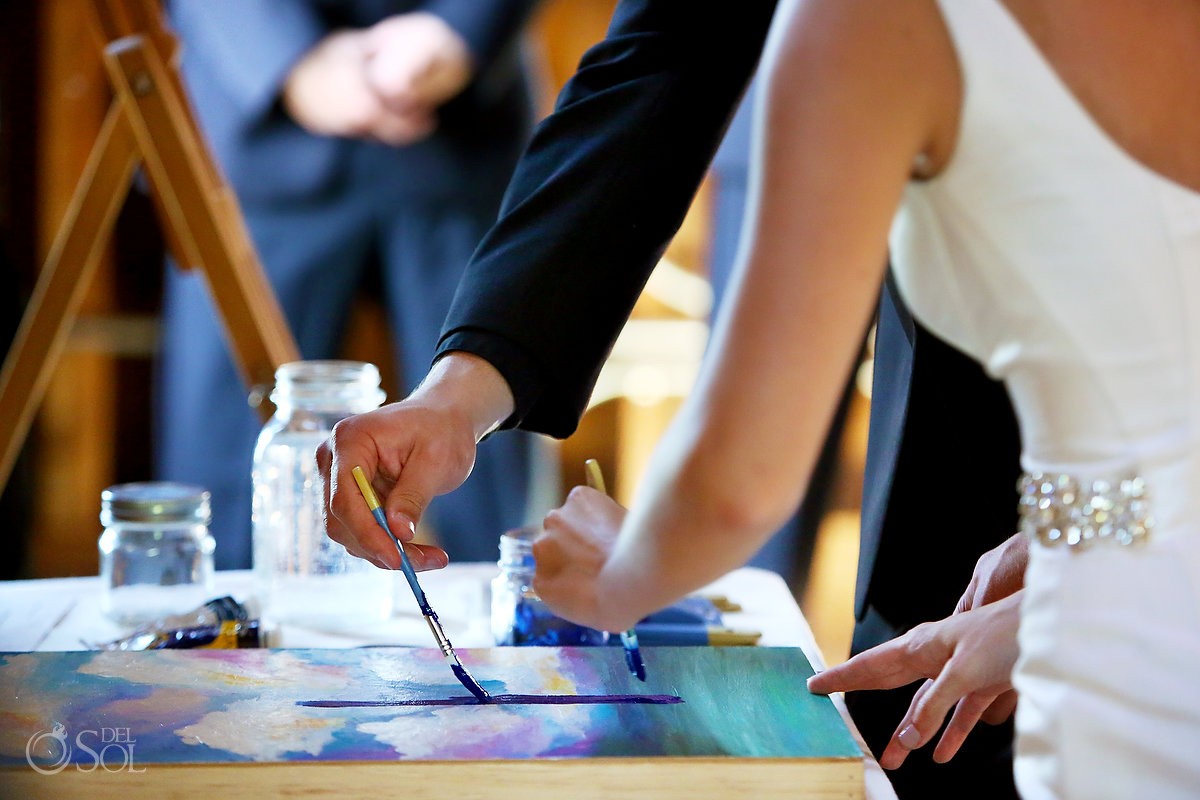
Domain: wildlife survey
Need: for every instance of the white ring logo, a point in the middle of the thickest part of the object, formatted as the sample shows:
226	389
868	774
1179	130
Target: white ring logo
54	741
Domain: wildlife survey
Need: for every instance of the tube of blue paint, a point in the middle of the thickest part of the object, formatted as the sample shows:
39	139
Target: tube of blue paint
691	634
691	610
220	623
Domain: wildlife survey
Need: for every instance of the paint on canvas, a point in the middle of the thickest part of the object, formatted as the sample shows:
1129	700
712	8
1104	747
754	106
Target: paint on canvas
403	704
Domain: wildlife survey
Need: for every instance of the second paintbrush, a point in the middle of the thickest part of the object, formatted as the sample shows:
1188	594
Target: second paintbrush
629	639
439	634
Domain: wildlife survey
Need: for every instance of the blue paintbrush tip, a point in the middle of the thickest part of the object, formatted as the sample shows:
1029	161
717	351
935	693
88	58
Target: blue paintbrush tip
467	680
633	655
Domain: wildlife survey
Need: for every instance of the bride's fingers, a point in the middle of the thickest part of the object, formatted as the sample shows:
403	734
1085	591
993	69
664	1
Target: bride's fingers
1001	708
932	707
885	666
962	722
894	754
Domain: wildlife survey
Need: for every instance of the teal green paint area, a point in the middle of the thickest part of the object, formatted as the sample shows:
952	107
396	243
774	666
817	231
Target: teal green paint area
748	701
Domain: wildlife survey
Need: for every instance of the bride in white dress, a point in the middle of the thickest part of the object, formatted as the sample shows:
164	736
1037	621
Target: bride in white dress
1044	156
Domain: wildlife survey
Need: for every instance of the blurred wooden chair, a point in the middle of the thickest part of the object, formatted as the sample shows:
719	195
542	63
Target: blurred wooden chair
148	124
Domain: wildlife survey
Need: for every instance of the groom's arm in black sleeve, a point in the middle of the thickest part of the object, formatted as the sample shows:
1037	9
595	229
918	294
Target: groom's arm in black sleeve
600	191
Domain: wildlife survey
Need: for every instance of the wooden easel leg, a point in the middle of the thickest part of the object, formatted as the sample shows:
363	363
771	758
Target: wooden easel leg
205	229
63	281
148	122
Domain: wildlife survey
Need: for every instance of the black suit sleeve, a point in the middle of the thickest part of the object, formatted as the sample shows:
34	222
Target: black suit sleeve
599	193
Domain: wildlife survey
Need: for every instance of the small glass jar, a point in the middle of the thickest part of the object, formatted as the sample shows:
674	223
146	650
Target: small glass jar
156	554
519	617
303	576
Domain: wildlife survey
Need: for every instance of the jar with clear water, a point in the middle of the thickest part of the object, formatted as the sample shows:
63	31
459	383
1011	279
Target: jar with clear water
156	554
303	576
519	617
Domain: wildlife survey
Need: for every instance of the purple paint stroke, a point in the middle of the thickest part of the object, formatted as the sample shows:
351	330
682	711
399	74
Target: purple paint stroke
505	700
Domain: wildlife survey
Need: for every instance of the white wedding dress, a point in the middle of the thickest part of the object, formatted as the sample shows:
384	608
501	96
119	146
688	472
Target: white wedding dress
1072	272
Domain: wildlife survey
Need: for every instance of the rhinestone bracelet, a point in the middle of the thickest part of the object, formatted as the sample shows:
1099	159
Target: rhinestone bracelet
1057	509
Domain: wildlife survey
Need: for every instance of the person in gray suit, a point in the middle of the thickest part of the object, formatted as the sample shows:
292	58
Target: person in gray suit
369	143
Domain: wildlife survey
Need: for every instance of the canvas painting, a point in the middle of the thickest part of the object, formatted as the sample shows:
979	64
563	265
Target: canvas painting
400	704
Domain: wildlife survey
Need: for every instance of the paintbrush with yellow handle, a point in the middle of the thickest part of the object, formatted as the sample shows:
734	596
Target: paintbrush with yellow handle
629	640
431	618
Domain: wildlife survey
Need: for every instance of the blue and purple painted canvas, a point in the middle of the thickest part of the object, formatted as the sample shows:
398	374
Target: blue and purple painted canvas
375	704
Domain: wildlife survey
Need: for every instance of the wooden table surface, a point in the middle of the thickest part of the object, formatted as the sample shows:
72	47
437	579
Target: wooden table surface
64	614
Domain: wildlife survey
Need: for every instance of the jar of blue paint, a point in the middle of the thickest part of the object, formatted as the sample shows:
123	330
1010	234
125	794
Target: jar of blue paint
519	617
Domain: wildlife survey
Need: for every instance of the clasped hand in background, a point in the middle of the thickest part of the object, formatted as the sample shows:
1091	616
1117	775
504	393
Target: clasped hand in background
383	83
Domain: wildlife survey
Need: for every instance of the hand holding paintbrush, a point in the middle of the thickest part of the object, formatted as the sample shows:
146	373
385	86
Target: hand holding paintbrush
571	555
435	626
629	640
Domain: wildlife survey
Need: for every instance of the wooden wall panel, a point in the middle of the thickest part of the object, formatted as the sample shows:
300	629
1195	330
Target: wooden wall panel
74	429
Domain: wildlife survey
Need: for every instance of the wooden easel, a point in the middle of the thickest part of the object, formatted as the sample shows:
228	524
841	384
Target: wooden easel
148	123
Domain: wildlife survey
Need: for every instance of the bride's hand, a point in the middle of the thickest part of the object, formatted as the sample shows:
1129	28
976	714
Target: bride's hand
969	656
998	573
572	552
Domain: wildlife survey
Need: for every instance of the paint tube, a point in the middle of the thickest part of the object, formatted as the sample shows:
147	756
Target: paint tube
221	623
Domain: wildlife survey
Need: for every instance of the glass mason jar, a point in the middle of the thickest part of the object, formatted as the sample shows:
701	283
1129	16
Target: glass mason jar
519	617
302	575
156	554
